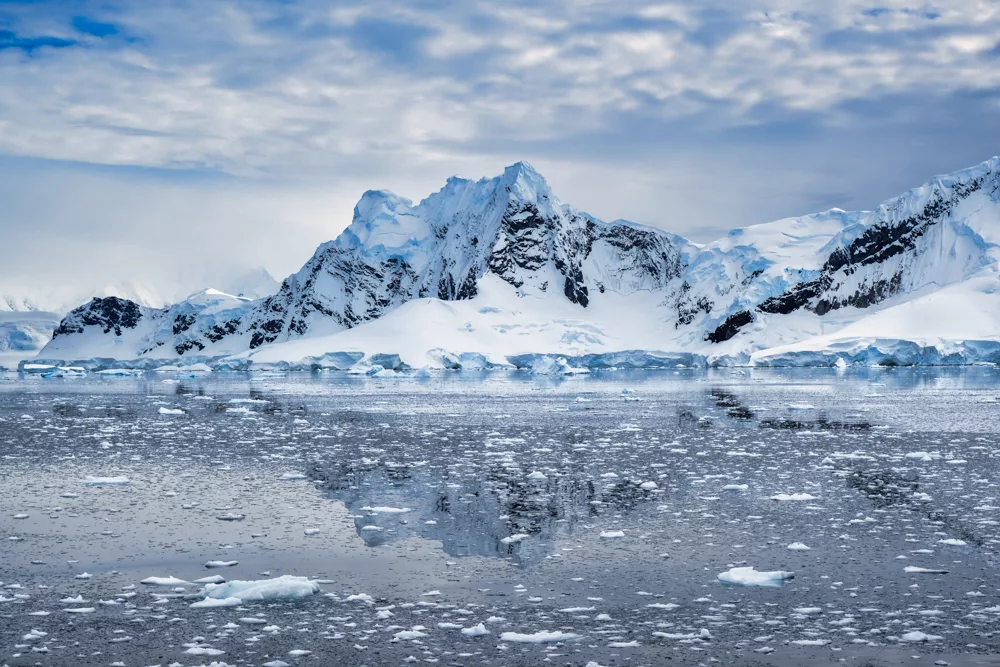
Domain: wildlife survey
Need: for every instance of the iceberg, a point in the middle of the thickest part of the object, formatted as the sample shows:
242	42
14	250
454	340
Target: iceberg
748	576
540	637
286	587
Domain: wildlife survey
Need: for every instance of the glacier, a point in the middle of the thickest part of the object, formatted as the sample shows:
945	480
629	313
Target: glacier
499	273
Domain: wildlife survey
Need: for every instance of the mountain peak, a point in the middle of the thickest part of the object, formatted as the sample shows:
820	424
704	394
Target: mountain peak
524	181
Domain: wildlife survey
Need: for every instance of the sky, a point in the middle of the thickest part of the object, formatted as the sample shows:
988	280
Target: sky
179	142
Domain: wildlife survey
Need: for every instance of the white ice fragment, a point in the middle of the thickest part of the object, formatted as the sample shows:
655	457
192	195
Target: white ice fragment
386	510
537	476
105	481
209	603
913	569
703	635
164	581
540	637
513	539
475	631
220	563
287	587
171	411
612	534
793	496
289	476
952	542
747	576
926	457
797	546
917	636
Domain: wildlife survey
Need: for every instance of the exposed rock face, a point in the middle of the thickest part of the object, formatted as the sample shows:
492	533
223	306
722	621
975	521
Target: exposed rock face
109	314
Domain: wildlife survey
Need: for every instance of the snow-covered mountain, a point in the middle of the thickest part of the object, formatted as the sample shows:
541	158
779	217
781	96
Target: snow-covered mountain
499	271
28	321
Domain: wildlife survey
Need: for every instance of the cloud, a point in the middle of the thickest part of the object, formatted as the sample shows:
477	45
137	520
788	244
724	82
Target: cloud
695	116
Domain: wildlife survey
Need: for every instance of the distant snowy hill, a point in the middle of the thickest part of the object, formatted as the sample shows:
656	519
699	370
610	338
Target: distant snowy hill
27	322
500	272
23	334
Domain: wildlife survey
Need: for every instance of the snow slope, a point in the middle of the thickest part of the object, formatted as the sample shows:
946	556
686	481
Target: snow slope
500	272
23	334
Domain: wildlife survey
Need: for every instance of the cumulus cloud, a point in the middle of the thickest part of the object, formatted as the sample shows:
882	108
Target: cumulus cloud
694	116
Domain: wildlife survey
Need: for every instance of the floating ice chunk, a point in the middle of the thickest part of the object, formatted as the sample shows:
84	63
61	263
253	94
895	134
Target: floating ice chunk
923	456
808	611
209	603
513	539
449	626
811	642
83	575
793	496
537	477
475	631
703	635
917	636
747	576
576	610
403	635
540	637
801	406
736	487
171	411
311	531
273	663
663	605
219	563
913	569
953	542
231	517
81	610
386	510
612	534
77	600
288	476
648	486
20	516
164	581
797	546
360	597
105	481
203	650
214	579
286	587
298	652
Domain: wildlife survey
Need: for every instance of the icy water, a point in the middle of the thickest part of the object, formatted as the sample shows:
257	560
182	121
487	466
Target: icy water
448	520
